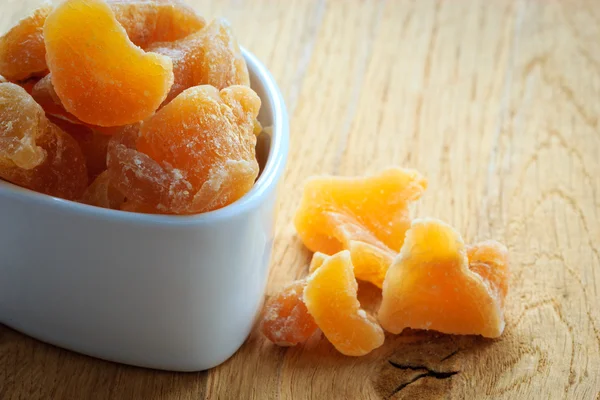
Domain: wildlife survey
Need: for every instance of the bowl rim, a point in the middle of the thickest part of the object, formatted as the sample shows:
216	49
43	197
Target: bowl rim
266	182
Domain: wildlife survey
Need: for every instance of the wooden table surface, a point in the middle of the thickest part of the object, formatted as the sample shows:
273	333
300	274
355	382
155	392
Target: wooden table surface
498	104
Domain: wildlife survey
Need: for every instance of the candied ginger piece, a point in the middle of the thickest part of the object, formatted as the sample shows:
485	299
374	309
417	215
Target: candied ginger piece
286	321
94	145
102	194
489	259
22	122
430	285
151	21
211	56
194	155
370	262
317	260
337	213
98	74
330	297
35	153
22	50
44	94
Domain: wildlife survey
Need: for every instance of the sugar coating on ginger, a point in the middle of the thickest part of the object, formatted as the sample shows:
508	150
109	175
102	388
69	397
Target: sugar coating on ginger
35	153
22	50
207	160
286	321
211	56
150	21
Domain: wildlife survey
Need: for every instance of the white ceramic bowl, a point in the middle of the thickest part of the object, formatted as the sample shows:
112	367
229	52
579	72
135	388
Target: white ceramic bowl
165	292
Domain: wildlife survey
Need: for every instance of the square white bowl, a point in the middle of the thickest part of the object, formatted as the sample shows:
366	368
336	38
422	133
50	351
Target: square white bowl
168	292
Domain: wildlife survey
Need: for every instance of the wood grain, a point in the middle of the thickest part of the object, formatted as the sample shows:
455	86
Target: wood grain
497	103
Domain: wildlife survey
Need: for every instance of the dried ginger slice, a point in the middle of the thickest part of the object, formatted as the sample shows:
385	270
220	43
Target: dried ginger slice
331	298
205	162
285	320
431	286
368	216
211	56
22	51
98	74
22	122
151	21
35	153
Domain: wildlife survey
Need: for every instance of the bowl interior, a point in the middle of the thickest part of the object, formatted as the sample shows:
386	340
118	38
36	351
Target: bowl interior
271	153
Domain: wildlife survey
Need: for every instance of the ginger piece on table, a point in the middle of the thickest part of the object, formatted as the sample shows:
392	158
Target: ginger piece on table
331	298
211	56
286	321
152	21
207	160
35	153
489	259
99	75
368	216
22	50
432	284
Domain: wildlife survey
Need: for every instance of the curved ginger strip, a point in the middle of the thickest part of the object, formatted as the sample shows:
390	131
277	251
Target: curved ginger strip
330	297
430	285
98	74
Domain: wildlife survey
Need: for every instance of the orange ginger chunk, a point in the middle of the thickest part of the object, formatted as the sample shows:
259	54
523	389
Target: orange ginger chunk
211	56
194	155
331	298
98	74
286	321
35	153
432	285
151	21
22	50
367	216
